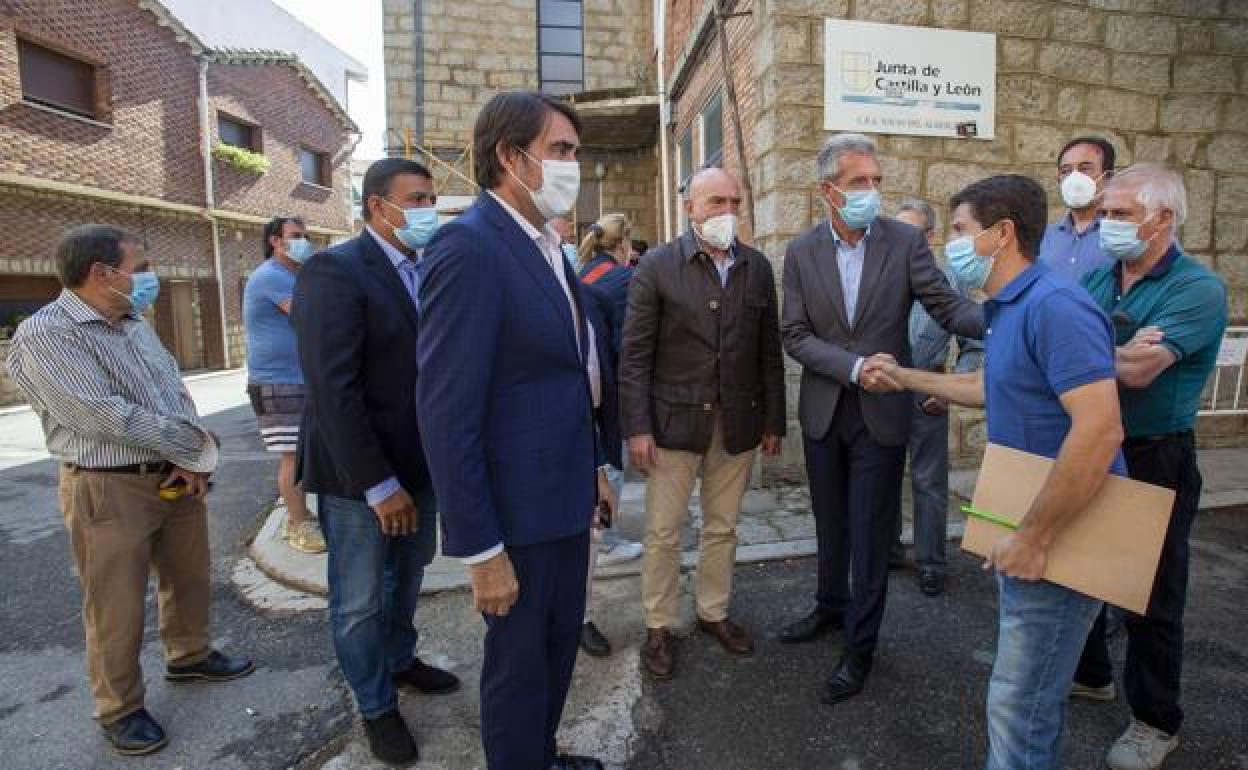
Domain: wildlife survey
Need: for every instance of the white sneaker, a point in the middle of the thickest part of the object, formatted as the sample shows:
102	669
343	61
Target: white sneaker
623	551
1141	748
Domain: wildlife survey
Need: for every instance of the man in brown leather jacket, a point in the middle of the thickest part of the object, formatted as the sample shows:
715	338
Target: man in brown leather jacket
701	385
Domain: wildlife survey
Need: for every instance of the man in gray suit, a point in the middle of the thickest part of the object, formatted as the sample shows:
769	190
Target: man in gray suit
849	284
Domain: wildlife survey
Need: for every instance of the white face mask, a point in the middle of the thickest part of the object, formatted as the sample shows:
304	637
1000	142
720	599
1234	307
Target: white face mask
719	231
561	182
1078	189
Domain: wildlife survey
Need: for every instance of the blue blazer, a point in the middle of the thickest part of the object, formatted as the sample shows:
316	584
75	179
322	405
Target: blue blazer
355	326
598	313
503	399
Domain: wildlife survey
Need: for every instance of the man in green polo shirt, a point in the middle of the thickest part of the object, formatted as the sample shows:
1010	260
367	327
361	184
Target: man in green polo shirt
1169	313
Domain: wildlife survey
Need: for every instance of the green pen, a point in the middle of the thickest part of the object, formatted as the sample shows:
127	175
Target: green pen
989	517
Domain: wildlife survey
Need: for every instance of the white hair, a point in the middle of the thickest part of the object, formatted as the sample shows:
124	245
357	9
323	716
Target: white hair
1156	187
838	146
923	209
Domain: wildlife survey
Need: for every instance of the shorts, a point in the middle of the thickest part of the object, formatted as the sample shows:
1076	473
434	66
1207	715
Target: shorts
279	409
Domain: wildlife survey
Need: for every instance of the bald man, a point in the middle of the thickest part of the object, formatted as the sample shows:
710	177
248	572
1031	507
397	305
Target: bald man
701	385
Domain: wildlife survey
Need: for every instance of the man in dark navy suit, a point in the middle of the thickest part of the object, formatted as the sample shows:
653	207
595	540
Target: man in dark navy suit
355	317
506	412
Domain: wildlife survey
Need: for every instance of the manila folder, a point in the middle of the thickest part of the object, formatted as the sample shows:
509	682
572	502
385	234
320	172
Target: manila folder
1108	552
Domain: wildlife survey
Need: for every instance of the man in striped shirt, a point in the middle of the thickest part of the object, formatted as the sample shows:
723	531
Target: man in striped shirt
135	461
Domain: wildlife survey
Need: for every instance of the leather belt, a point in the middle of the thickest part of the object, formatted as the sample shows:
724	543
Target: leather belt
135	469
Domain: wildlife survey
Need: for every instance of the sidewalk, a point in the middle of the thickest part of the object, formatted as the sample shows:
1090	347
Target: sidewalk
775	524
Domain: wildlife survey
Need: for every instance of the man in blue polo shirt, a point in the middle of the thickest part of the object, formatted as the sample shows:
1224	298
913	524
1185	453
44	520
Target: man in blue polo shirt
1169	313
1048	388
1072	245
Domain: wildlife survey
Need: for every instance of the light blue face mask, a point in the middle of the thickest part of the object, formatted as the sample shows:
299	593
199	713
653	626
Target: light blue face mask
298	249
420	225
144	289
860	209
569	253
1121	240
968	267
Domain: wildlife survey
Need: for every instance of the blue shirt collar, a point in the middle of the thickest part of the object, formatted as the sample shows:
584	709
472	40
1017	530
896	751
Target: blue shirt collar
1067	224
1161	268
395	256
836	238
1021	283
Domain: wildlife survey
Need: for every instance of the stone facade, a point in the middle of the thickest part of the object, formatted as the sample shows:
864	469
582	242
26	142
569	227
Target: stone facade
1164	81
443	64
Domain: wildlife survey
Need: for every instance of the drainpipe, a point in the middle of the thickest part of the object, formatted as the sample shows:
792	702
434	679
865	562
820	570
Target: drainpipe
210	203
665	195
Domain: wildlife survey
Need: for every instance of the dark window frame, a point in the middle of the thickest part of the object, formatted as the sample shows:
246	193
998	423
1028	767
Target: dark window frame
94	75
324	174
563	85
255	134
716	158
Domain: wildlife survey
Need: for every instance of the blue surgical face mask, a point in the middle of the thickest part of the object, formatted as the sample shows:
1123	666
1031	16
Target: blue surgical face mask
569	253
298	249
420	225
968	266
860	209
1121	240
144	288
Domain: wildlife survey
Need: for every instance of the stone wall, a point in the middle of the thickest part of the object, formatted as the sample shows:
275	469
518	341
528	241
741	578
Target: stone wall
629	188
1164	80
442	67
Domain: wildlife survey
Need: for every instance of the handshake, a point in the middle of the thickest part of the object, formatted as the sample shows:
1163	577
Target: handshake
880	373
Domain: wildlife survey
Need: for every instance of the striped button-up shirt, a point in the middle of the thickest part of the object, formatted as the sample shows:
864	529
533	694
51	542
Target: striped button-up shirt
107	394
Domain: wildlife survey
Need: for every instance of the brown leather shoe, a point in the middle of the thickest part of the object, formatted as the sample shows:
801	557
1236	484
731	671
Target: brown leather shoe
657	655
730	635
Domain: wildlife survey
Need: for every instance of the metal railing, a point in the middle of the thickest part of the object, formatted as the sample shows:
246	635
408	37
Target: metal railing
1231	356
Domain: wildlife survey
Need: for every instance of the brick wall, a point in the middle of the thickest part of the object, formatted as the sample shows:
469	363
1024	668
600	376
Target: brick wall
149	145
290	116
707	80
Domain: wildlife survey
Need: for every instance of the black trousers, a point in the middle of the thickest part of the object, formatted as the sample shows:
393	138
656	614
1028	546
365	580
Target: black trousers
855	491
1155	640
530	653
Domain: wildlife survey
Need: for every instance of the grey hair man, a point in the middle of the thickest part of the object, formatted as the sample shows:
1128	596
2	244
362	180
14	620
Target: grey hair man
1169	313
928	445
849	284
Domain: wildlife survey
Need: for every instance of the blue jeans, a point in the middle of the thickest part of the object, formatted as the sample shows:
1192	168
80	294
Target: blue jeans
929	483
374	582
1042	630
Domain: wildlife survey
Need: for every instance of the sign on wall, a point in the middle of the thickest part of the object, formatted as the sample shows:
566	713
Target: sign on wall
888	78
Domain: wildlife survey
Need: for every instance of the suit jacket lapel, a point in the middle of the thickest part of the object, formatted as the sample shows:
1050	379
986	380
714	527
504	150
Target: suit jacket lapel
532	260
388	274
872	267
828	267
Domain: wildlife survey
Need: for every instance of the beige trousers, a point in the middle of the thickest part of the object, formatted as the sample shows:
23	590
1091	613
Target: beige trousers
668	489
119	528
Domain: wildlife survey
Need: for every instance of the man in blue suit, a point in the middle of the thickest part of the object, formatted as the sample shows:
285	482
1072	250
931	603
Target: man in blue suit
355	317
506	414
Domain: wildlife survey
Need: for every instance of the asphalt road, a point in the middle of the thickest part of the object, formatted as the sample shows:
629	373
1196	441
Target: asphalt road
296	697
923	705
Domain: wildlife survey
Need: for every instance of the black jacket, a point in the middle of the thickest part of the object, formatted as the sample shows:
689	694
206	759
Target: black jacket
356	329
607	417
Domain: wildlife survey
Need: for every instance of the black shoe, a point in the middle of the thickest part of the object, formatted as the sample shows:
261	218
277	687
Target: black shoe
214	668
426	679
811	627
848	679
931	581
135	734
593	642
390	740
573	762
